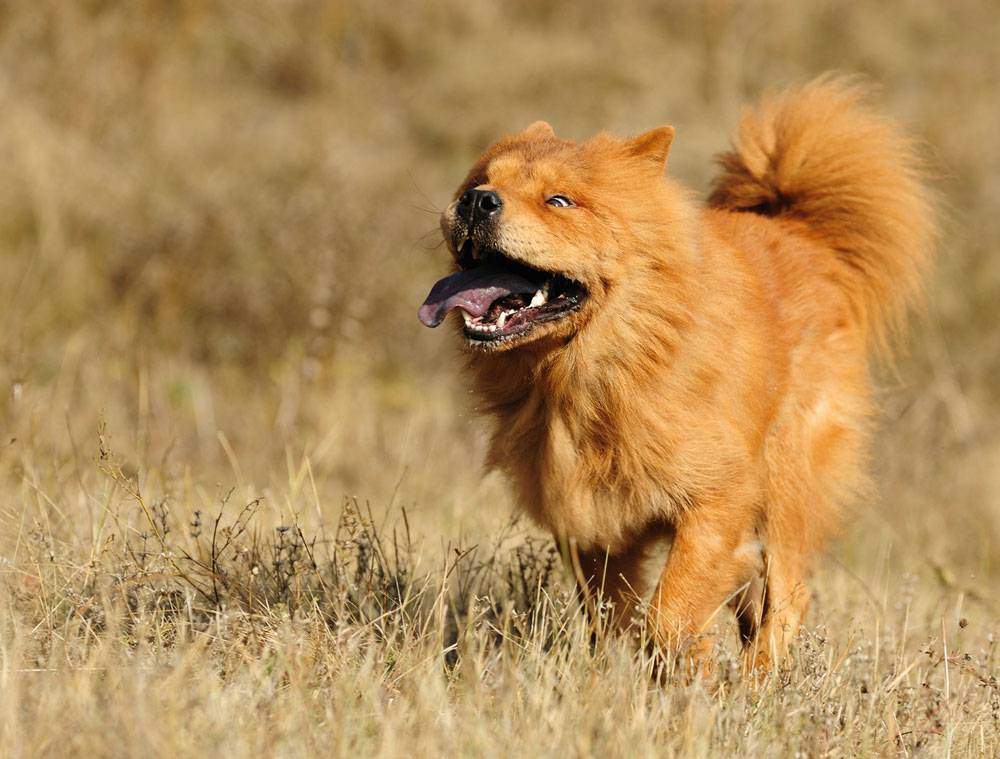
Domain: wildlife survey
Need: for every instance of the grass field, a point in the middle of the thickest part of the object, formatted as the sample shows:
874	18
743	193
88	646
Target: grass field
242	508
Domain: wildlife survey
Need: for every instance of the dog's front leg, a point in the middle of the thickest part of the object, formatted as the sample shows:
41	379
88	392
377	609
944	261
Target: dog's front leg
613	585
708	562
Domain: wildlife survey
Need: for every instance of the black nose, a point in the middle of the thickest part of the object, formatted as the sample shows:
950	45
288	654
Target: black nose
475	206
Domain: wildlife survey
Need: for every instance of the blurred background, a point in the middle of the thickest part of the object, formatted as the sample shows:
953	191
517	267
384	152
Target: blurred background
217	220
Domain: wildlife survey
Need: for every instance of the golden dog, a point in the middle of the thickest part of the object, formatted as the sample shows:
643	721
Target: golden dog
657	368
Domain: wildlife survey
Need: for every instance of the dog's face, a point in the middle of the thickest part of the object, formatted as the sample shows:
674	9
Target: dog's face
540	232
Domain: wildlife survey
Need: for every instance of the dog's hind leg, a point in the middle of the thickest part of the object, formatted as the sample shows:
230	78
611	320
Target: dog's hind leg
747	602
785	603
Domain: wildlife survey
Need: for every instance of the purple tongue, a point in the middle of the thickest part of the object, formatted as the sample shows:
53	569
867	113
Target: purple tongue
472	291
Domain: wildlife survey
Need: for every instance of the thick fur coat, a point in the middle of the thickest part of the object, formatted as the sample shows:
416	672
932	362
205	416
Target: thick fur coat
713	388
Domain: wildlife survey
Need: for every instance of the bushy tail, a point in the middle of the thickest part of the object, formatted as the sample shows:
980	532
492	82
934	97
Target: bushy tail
819	154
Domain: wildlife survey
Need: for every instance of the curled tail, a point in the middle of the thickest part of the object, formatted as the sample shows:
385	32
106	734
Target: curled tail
821	155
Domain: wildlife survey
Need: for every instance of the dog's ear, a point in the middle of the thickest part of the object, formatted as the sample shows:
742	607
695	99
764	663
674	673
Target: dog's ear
539	130
653	145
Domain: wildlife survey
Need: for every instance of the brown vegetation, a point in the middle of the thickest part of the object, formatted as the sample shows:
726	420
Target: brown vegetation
216	222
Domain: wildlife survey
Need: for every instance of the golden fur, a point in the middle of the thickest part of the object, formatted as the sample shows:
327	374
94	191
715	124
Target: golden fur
714	388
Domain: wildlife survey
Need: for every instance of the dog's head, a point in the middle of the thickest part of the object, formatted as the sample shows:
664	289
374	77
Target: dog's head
543	230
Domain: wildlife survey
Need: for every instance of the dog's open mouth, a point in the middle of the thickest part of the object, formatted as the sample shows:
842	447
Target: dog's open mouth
501	299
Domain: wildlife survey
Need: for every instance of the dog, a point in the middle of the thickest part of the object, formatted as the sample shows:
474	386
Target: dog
659	369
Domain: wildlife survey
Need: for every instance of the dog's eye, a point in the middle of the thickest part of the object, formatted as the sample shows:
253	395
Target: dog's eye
559	201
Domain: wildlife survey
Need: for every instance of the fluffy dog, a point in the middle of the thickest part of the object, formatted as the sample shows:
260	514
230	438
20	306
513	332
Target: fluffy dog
661	369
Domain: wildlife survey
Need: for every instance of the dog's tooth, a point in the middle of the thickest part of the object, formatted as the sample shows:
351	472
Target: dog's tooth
502	320
539	299
468	318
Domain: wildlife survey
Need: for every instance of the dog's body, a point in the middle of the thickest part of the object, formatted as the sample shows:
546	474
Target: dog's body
692	373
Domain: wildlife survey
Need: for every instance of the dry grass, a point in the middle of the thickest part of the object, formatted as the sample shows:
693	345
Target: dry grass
241	505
